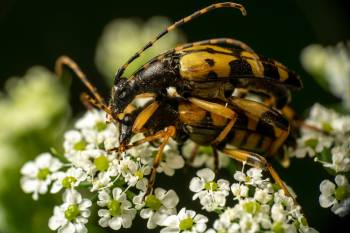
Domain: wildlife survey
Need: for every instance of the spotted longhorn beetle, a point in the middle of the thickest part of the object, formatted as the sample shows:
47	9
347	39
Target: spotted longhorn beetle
205	74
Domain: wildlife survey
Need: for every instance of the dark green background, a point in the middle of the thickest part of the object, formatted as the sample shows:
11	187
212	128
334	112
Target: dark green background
38	31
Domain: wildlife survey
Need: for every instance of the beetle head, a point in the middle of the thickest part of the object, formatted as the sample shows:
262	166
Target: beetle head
121	95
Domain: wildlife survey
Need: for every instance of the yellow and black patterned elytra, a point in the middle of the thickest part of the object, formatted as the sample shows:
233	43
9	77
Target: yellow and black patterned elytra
256	130
208	71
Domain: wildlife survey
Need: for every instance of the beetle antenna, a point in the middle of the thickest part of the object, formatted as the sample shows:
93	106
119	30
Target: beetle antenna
176	25
67	61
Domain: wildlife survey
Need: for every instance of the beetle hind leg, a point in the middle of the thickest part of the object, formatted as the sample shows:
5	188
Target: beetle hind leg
258	161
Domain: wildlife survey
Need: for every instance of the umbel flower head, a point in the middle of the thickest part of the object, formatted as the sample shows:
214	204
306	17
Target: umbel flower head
119	182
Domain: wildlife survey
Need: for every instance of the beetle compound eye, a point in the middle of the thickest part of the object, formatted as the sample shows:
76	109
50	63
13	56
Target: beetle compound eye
127	119
122	95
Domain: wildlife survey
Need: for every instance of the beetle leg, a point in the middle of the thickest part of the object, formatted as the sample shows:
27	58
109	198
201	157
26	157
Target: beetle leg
67	61
216	160
169	132
215	108
88	101
257	161
144	116
220	110
177	24
158	135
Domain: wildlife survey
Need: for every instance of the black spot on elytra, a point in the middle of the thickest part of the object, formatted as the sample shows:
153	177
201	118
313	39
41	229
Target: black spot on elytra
270	69
210	62
212	75
240	67
211	50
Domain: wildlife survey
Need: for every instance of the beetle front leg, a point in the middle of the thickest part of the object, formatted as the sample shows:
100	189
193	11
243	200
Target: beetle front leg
169	132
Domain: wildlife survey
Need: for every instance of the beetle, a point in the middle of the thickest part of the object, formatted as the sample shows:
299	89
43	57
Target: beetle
205	74
206	69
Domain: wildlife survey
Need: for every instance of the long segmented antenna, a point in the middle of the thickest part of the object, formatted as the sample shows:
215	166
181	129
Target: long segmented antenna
177	24
67	61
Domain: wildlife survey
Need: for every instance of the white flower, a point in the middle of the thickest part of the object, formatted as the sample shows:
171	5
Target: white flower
133	172
37	175
72	215
340	158
185	221
74	142
252	177
157	207
69	179
212	194
119	213
171	159
96	130
239	190
336	195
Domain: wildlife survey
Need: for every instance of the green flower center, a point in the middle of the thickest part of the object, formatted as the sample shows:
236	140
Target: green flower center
341	193
278	228
43	173
100	126
81	145
153	202
327	127
251	207
68	181
211	186
186	224
312	142
114	208
72	212
101	163
139	174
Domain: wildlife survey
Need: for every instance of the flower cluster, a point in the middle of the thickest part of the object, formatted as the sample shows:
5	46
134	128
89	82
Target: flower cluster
325	137
259	206
116	184
119	181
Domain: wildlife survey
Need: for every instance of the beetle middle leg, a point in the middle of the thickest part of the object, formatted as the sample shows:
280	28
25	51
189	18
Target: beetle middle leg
220	110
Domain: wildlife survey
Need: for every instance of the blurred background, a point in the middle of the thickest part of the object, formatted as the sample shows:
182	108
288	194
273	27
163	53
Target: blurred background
35	110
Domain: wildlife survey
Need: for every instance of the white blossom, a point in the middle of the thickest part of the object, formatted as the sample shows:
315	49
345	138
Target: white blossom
72	215
69	179
212	194
157	207
119	213
336	195
187	221
38	174
171	159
